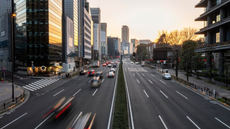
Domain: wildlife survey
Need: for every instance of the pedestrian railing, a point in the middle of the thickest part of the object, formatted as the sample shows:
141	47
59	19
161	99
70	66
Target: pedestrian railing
8	104
203	90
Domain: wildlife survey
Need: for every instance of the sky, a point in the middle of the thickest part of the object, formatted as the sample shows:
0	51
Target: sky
146	17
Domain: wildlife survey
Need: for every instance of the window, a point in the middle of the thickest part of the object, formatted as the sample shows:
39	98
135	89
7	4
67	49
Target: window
218	18
218	37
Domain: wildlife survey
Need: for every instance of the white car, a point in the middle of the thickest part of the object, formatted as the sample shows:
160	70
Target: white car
166	76
112	70
109	65
111	74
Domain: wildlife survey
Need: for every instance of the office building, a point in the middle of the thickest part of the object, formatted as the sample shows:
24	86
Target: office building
216	30
114	47
144	41
38	37
103	40
125	33
135	43
5	38
96	17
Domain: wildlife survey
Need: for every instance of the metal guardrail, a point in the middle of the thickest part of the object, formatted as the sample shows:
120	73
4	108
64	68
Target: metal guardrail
204	90
12	102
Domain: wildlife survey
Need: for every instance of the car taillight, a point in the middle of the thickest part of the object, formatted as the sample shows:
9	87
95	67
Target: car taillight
88	72
62	111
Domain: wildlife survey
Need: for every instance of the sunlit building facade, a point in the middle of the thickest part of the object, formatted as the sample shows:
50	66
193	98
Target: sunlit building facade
135	43
38	36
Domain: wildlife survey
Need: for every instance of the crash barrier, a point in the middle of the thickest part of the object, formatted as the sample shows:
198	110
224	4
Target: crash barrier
202	89
12	102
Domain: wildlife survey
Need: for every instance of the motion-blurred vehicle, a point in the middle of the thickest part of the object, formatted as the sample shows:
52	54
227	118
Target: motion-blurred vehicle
109	65
114	65
91	73
99	74
112	70
96	64
83	72
136	63
111	74
166	76
131	62
82	121
96	82
104	64
143	64
59	108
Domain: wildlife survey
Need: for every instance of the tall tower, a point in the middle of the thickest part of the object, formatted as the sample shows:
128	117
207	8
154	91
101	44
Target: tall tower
125	34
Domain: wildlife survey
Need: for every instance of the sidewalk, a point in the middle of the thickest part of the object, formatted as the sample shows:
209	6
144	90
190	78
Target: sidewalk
6	95
202	83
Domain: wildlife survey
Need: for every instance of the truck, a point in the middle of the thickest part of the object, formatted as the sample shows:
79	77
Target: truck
96	64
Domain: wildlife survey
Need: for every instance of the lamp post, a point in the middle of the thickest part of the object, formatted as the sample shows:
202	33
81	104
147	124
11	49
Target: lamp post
12	47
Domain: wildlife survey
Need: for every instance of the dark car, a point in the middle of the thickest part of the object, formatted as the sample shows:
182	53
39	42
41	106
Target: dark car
96	82
99	74
91	72
114	65
83	72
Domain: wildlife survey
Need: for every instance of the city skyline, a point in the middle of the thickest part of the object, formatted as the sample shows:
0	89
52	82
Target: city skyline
130	13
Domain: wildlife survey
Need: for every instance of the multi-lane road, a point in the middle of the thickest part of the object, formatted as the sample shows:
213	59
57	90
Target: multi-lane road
154	103
87	99
161	104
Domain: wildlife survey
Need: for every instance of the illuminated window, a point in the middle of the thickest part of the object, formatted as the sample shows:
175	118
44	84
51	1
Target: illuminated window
218	37
218	18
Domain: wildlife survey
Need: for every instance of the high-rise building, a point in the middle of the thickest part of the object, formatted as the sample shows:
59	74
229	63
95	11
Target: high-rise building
125	33
216	30
135	43
114	46
144	41
103	40
96	17
38	36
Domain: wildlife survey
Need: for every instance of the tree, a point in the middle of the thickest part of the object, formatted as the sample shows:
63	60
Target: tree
197	63
142	53
188	48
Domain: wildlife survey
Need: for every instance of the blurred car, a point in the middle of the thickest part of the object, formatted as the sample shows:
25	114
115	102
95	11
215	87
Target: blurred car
83	72
96	82
165	70
99	74
109	65
112	70
131	62
143	64
59	108
114	65
104	64
91	73
166	76
136	63
111	74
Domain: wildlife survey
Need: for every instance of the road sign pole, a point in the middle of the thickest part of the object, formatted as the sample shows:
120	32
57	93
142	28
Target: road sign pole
176	63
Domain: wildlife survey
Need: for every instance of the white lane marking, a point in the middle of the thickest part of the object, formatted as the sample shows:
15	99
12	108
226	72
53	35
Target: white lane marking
193	122
162	82
14	120
95	92
150	81
133	74
164	94
222	122
102	80
77	92
44	121
152	75
111	109
130	107
142	74
163	122
90	80
146	93
138	81
181	95
58	92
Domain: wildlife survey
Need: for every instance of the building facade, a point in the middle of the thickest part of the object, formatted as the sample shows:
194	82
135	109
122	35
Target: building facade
114	46
38	36
87	35
125	33
144	41
103	40
96	17
135	43
216	30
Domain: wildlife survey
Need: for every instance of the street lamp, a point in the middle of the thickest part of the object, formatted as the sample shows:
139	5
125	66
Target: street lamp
12	48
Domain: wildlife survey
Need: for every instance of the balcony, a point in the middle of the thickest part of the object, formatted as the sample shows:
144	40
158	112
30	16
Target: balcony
202	3
214	47
214	8
211	26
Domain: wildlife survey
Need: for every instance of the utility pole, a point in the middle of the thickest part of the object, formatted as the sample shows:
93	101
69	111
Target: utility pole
177	64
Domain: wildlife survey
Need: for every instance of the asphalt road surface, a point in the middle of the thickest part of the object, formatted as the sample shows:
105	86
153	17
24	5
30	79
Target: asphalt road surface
87	99
163	104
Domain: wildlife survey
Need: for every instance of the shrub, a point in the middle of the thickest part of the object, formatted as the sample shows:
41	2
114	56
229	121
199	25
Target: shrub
221	79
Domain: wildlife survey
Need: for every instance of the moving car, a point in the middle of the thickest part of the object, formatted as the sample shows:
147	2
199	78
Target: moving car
136	63
166	76
99	74
104	64
96	82
112	70
91	73
111	74
114	65
59	108
109	65
96	64
83	72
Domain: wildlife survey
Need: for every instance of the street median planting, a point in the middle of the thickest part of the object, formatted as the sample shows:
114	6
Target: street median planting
120	119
